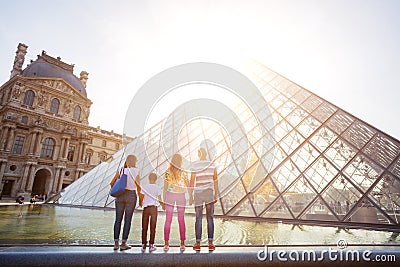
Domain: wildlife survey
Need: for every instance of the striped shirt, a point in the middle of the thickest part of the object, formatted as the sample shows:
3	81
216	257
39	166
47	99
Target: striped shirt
204	172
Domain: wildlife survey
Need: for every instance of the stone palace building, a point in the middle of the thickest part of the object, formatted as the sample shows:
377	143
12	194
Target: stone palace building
46	142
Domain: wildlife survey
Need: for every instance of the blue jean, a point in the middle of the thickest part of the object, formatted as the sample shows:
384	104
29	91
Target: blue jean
204	197
124	204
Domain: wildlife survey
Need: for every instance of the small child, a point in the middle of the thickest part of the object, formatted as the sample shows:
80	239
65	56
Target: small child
152	196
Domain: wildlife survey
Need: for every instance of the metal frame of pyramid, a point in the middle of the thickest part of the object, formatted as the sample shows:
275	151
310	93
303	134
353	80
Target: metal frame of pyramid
325	167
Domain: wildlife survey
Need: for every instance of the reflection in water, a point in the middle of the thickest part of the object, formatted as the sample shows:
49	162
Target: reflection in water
47	224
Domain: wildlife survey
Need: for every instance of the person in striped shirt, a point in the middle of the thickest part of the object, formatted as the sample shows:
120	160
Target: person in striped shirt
203	189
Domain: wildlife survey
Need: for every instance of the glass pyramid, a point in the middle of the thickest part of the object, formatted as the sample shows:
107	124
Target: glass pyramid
318	164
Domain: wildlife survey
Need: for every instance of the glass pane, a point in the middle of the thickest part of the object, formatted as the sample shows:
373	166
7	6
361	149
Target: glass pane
253	175
296	116
244	208
299	195
382	149
227	178
278	210
340	153
339	122
386	194
235	193
366	212
324	111
311	103
318	211
291	90
285	175
304	157
363	172
320	174
263	196
323	138
395	169
300	96
358	134
341	195
308	126
291	142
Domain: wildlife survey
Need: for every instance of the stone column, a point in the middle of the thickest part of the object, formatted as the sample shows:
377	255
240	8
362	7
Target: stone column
77	174
60	181
22	186
66	148
38	144
3	164
4	135
32	143
54	181
61	152
80	152
83	152
10	139
31	178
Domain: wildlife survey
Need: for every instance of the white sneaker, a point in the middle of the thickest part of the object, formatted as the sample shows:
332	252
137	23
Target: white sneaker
143	248
152	248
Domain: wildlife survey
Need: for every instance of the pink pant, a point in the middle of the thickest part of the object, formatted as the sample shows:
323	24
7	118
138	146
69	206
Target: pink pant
170	200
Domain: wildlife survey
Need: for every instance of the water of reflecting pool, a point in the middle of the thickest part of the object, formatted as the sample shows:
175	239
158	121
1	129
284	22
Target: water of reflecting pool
49	224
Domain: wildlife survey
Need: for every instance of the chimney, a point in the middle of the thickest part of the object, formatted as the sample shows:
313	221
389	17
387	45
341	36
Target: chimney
19	59
84	77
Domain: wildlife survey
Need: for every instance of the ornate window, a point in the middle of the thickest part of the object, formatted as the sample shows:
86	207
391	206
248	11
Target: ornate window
102	157
29	97
71	152
24	119
47	148
77	113
18	144
116	146
88	158
55	104
104	143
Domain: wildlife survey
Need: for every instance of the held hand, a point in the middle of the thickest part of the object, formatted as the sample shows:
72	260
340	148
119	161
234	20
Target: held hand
162	205
141	198
191	200
215	199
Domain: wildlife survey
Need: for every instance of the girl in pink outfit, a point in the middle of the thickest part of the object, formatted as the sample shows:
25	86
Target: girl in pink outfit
175	186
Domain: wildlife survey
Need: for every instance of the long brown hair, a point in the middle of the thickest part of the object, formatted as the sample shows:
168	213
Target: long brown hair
175	168
130	161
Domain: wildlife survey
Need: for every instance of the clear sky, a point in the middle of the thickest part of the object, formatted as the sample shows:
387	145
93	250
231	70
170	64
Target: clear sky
345	51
